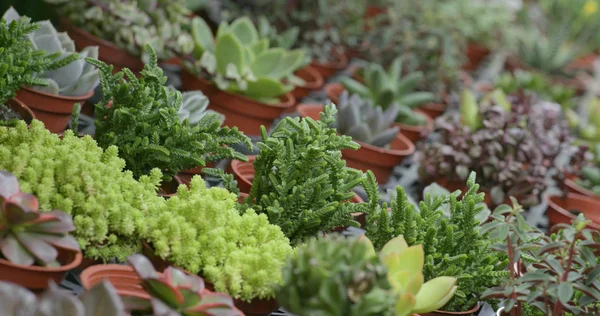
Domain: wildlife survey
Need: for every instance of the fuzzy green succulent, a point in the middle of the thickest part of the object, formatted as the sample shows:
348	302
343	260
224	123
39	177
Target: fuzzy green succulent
237	59
75	79
301	181
201	230
361	120
109	207
451	240
144	122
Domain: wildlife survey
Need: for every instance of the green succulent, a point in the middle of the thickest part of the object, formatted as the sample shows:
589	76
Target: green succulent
387	88
194	106
590	179
362	121
239	60
535	82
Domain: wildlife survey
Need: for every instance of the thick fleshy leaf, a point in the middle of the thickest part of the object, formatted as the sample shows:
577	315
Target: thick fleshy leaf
51	87
58	302
46	29
290	62
260	46
244	30
42	250
142	266
67	43
370	252
166	292
213	302
266	88
404	304
356	87
434	294
385	138
161	309
15	214
14	252
266	62
396	245
102	300
27	201
9	184
68	74
11	14
48	43
16	300
86	83
53	222
411	259
229	50
65	242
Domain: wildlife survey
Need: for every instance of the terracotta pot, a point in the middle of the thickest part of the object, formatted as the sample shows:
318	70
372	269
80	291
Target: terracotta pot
88	262
245	113
54	110
412	132
472	311
560	208
256	307
186	176
573	187
330	68
475	55
23	110
375	10
169	189
159	263
513	312
243	172
314	81
583	63
434	110
35	277
122	277
377	159
108	52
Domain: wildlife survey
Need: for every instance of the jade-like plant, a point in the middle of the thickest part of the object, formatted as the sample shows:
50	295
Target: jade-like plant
20	61
143	121
448	228
511	142
109	207
178	293
237	59
301	181
549	275
131	25
102	299
361	120
75	79
388	88
344	276
201	231
27	236
335	276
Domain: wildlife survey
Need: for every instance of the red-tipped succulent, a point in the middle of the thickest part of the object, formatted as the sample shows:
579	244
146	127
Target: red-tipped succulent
27	236
178	293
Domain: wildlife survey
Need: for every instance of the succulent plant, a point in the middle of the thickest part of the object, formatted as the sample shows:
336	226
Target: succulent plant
20	62
144	123
179	293
535	82
335	276
404	269
512	148
238	60
102	299
194	106
361	120
590	178
27	236
131	25
75	79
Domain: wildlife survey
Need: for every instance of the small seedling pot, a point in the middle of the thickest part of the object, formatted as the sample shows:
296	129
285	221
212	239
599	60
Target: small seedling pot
23	110
54	110
563	210
332	67
108	52
472	311
36	278
314	81
245	113
414	133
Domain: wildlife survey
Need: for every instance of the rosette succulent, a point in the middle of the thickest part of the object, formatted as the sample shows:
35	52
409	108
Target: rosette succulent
511	143
194	106
237	59
74	79
361	120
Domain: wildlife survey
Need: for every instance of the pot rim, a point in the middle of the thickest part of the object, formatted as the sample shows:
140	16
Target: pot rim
62	97
340	63
468	312
553	206
586	192
63	268
20	103
317	80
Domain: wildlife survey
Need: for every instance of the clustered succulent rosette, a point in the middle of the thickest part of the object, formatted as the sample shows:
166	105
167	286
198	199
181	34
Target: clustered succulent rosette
512	150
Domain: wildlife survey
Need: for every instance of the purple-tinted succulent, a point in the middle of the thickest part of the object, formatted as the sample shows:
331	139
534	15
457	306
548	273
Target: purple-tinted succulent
514	152
27	236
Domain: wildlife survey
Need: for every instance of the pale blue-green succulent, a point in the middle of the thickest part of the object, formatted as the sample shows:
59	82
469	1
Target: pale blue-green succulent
364	122
194	107
76	78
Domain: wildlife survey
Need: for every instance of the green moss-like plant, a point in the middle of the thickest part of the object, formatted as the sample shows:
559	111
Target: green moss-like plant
200	230
109	207
301	181
452	243
20	61
143	122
